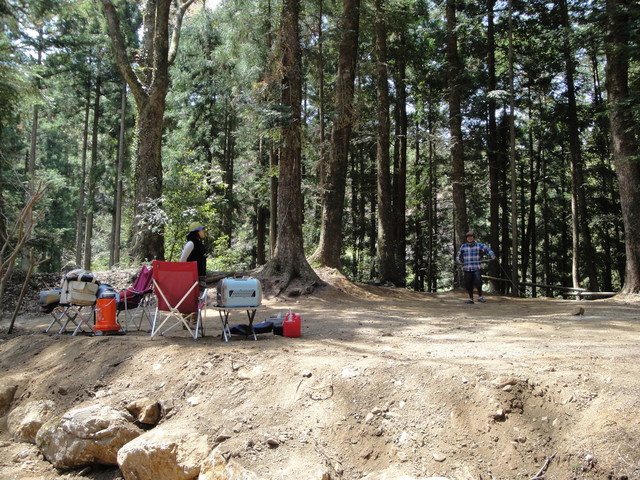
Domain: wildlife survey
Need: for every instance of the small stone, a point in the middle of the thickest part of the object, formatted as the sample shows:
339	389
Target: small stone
502	382
498	416
439	457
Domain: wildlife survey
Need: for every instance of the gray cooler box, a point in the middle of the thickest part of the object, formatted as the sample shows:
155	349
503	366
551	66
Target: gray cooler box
239	292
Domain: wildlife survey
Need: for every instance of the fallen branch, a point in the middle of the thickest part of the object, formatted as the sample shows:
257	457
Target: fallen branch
540	473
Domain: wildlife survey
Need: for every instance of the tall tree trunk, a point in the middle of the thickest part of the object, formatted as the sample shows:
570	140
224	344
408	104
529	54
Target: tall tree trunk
91	196
546	235
117	220
492	147
623	134
289	261
357	211
228	169
385	251
273	200
419	217
565	269
321	120
80	215
503	171
149	83
579	202
609	230
31	162
460	220
400	170
262	214
512	156
433	205
335	171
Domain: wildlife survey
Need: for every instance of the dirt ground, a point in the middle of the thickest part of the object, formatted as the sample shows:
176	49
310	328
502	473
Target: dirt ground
383	383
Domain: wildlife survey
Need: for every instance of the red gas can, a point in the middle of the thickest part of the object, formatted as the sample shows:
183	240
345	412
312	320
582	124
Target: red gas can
292	325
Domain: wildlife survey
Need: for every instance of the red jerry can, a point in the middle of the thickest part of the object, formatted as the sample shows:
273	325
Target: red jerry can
292	325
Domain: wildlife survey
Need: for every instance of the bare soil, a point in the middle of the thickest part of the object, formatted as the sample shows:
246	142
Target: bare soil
383	382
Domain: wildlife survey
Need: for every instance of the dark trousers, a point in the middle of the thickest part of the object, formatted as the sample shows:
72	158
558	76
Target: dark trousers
473	279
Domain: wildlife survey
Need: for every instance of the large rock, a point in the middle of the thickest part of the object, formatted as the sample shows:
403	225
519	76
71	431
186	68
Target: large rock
85	436
164	453
7	392
215	467
24	422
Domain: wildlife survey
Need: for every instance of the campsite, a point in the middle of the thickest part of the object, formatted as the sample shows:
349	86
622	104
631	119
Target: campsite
351	172
383	383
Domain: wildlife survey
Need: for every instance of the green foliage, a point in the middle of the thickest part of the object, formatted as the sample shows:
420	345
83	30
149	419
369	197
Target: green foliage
224	113
225	259
187	198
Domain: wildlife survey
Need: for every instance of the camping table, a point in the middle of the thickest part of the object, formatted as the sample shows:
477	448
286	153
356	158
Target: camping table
224	313
77	315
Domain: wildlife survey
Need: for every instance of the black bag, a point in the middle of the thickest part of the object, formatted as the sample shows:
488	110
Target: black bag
264	327
240	330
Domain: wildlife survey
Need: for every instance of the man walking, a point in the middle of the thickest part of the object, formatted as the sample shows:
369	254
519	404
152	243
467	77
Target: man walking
469	257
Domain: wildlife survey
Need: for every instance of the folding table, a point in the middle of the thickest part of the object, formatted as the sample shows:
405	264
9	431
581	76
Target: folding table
224	313
77	315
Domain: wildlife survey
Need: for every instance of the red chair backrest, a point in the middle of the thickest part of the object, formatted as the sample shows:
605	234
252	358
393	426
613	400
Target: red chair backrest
174	280
144	280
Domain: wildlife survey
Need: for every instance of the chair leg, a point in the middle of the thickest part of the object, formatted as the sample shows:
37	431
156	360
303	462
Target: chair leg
153	324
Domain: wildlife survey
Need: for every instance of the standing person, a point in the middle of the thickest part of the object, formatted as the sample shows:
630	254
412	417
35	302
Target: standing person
194	251
470	253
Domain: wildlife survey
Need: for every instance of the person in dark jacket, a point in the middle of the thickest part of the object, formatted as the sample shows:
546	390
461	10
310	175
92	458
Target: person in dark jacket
194	250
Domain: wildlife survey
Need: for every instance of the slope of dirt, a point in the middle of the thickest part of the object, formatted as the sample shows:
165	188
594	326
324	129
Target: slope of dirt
382	381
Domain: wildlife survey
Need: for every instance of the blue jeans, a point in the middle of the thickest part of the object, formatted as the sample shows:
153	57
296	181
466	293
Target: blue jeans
473	279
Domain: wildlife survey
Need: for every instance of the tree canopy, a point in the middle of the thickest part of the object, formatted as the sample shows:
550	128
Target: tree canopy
377	133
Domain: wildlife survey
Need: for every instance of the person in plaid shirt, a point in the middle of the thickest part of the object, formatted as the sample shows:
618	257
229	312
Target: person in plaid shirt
469	257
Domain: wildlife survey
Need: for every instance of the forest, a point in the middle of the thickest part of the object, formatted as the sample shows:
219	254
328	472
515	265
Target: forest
365	136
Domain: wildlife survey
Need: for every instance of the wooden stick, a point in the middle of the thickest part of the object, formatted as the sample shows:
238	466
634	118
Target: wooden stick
544	467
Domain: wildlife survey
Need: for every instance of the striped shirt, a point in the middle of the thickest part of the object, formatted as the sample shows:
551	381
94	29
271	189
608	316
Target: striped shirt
471	254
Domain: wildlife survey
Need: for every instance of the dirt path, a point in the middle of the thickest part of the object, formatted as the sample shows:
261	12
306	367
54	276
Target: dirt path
383	382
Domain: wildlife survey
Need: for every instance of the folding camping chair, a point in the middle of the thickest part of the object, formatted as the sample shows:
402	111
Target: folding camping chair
136	298
175	285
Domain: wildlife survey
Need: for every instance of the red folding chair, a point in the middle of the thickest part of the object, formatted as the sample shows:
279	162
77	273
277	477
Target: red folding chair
136	298
175	285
